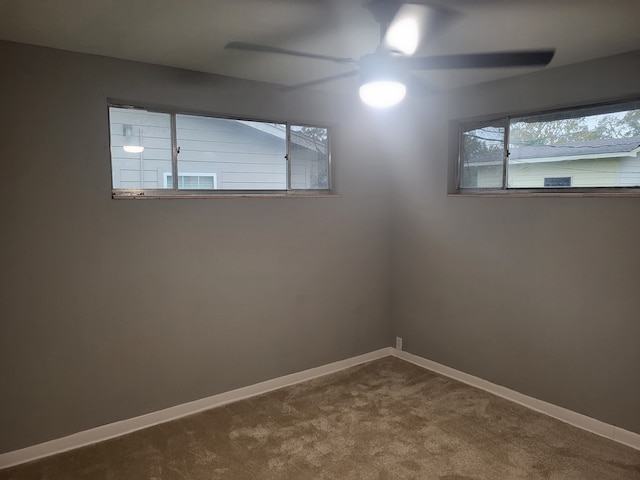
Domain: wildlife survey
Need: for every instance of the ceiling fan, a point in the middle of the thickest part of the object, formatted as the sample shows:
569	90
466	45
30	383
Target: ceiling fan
385	72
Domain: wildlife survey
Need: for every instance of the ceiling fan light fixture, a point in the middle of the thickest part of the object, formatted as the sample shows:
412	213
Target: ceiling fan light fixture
133	148
382	93
131	143
381	82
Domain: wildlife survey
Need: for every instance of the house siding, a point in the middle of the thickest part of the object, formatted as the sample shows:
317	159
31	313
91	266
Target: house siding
602	172
630	172
583	173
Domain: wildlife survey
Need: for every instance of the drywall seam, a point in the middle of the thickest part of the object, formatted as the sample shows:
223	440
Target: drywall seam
116	429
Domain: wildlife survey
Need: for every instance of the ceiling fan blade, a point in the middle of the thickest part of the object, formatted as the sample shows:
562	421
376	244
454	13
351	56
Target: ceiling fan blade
529	58
437	19
339	76
417	22
404	32
254	47
420	87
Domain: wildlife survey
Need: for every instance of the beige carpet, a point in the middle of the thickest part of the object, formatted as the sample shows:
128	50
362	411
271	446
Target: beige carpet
387	419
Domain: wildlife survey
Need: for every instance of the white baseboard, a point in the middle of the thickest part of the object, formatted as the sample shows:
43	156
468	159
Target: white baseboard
105	432
112	430
592	425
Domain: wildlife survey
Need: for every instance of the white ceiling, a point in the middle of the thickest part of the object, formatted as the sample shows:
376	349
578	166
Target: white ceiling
192	34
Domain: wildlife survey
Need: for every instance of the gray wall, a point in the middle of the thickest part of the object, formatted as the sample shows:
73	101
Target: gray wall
213	294
537	294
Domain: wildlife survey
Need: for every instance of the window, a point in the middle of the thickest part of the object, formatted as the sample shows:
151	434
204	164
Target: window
170	154
588	148
482	147
193	181
557	181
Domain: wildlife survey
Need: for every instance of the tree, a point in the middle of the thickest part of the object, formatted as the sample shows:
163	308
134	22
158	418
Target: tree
481	145
545	133
630	123
317	134
594	127
483	142
319	165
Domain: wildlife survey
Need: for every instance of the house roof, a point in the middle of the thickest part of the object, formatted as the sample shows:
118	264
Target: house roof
280	131
606	148
626	146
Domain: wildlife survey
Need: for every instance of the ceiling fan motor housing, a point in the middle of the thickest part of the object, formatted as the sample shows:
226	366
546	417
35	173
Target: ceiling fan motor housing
377	67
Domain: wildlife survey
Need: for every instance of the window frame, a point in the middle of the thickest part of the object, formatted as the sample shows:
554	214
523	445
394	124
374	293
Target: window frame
466	124
175	192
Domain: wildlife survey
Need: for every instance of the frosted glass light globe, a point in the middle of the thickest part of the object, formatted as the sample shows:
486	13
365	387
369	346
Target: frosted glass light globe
382	94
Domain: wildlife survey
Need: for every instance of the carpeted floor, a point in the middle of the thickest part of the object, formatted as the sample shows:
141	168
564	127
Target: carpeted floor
387	419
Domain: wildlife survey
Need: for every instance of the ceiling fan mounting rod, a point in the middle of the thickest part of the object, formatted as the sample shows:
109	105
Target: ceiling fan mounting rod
383	32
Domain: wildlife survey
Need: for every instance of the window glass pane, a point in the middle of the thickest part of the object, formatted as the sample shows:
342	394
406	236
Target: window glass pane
591	147
203	181
482	157
140	148
557	181
230	154
309	157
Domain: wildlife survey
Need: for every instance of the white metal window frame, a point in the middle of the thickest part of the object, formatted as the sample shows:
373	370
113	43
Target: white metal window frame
175	192
465	125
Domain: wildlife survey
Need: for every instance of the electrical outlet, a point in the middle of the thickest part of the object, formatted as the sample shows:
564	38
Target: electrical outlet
399	343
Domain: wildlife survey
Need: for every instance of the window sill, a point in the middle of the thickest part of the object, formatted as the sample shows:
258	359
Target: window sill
554	194
201	196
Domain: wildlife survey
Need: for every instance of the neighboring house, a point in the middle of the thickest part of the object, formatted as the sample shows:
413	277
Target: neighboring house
601	163
214	153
